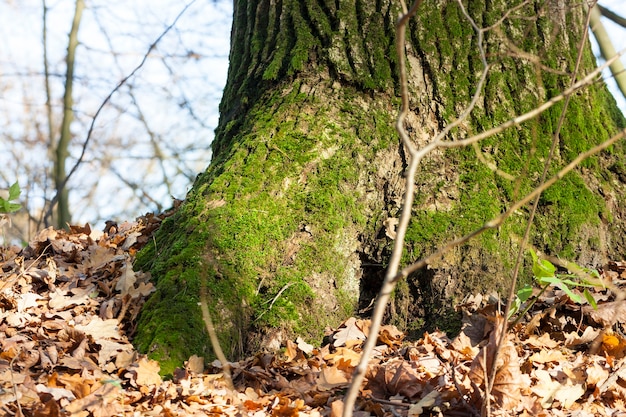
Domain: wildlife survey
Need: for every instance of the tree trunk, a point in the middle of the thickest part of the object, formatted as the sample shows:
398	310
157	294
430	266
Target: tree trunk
61	151
290	226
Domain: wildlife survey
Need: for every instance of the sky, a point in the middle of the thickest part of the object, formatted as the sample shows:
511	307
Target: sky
188	66
176	92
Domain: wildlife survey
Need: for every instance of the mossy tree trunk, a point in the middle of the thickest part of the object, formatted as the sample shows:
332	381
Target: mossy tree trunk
289	227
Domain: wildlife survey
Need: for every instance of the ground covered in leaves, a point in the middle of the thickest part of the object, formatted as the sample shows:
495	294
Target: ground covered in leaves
69	302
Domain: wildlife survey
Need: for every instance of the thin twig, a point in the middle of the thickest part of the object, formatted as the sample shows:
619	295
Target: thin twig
282	290
497	221
389	284
215	343
588	80
491	377
17	401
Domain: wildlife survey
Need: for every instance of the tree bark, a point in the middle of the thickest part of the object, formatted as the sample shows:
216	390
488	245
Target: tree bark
290	226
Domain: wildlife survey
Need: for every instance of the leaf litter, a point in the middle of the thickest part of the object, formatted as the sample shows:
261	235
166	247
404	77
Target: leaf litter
69	304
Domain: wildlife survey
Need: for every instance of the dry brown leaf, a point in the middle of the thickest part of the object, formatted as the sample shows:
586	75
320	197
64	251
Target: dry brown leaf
304	346
56	393
103	402
426	402
100	329
195	364
145	372
508	379
349	332
344	354
545	356
291	351
336	408
607	314
543	341
549	390
110	350
330	378
127	279
390	336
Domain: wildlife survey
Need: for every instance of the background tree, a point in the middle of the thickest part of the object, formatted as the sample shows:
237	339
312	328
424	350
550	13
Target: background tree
295	217
61	147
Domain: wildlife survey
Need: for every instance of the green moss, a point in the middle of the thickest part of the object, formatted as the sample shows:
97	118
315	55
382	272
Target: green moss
247	211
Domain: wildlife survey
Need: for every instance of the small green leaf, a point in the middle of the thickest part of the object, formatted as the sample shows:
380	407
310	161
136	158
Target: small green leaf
525	292
514	307
14	191
5	205
590	299
542	268
563	286
114	382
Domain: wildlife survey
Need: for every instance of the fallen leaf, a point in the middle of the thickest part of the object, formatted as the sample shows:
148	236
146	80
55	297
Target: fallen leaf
100	329
545	356
330	378
607	314
349	332
144	372
195	364
426	402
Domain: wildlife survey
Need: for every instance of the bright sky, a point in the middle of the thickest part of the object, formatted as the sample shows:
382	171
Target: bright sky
178	96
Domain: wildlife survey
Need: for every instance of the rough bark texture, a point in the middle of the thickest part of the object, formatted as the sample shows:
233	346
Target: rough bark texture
288	227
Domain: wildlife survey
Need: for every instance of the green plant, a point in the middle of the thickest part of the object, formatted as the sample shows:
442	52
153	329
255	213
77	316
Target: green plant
6	206
545	275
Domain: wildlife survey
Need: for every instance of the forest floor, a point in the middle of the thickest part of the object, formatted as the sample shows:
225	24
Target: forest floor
70	300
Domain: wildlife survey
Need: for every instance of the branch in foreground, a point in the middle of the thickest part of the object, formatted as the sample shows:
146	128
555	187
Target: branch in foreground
497	222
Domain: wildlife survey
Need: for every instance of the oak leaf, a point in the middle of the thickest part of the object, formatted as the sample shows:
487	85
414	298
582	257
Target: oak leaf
145	372
349	332
330	378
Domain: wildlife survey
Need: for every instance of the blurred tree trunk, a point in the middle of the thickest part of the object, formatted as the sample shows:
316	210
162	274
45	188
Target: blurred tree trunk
291	225
61	152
